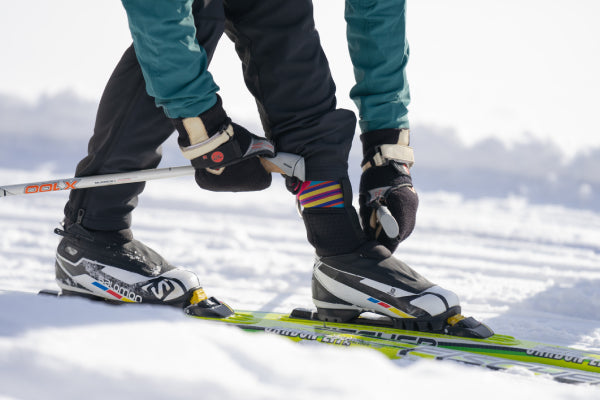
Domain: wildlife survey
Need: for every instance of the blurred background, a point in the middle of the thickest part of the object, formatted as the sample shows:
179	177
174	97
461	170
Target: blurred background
504	93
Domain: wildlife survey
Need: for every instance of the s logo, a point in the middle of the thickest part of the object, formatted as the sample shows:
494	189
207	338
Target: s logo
161	288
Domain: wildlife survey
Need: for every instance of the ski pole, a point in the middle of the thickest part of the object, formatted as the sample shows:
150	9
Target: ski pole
283	163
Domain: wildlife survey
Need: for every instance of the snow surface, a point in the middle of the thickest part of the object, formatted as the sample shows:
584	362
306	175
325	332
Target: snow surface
516	233
529	270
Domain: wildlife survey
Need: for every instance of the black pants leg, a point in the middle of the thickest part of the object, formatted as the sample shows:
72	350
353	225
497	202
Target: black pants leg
288	74
128	133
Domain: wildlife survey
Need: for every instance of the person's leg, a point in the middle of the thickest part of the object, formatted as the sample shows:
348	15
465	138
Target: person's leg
98	256
286	70
379	52
128	134
288	73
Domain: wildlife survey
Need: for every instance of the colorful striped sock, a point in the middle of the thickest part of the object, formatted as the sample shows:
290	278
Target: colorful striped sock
321	194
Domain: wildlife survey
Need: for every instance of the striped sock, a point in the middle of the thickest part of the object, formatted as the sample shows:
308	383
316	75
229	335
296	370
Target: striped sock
321	194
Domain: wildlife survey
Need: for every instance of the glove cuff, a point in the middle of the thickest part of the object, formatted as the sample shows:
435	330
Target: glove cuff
212	141
199	129
384	145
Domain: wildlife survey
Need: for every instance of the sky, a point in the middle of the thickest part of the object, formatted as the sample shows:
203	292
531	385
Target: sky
511	70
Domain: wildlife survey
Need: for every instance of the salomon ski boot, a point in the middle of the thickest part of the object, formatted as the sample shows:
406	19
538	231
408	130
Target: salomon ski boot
352	275
112	266
370	279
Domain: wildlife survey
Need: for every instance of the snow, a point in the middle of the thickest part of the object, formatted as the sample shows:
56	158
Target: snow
512	224
529	270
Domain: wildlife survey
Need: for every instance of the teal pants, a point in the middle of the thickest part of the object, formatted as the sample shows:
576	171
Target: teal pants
175	65
379	53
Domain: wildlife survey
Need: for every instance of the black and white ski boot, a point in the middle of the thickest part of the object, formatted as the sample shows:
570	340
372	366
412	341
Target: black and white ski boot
115	267
352	275
372	280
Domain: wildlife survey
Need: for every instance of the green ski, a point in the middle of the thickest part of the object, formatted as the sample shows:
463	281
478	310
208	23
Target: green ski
498	352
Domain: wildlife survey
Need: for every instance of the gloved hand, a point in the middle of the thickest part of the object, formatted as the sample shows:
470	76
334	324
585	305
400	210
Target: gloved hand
388	202
224	154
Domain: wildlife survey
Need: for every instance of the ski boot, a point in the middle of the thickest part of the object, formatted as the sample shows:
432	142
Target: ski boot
371	279
352	275
112	266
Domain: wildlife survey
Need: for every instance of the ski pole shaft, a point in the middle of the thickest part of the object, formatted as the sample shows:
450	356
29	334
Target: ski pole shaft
93	181
284	163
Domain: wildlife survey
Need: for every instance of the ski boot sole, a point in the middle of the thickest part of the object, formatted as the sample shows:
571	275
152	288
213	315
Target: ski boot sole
450	322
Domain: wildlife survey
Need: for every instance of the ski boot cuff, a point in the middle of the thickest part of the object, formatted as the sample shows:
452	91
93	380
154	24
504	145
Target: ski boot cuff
78	231
332	225
333	231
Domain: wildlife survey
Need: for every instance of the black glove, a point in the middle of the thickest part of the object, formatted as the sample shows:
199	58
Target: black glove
224	154
388	202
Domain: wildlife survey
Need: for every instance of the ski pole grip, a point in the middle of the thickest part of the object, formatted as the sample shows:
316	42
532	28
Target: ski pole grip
285	163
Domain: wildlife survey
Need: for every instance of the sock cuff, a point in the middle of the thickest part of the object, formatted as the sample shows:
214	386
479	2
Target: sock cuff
321	194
